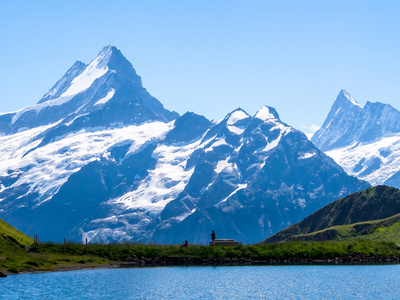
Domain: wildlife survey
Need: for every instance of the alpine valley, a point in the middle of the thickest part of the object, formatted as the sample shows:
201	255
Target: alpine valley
99	158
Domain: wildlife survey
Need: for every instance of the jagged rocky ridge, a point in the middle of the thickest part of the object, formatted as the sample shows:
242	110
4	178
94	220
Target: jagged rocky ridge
365	141
99	158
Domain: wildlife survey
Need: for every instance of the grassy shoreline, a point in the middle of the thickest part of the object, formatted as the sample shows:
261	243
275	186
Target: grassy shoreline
50	257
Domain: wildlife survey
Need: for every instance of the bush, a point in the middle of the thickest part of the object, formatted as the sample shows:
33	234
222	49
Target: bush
33	263
13	270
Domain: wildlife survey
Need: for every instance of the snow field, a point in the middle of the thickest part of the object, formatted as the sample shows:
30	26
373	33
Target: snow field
386	149
48	167
165	182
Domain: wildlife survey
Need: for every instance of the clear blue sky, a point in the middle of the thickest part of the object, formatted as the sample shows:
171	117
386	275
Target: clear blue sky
211	56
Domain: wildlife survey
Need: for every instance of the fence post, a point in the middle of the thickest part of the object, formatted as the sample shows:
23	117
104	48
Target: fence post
86	243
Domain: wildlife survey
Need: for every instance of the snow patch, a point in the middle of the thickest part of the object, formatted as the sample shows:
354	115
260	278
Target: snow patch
236	116
240	187
347	95
235	130
217	142
271	145
222	164
94	70
185	215
386	149
56	161
38	107
264	114
165	182
307	155
108	97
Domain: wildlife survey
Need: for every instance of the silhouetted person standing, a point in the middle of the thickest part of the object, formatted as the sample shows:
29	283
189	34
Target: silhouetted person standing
212	236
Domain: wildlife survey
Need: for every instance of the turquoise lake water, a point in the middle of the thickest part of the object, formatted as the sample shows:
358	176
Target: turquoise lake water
244	282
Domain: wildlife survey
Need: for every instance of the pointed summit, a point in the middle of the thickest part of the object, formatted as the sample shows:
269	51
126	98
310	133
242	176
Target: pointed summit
345	98
108	50
106	91
104	55
81	76
108	54
112	58
335	132
348	123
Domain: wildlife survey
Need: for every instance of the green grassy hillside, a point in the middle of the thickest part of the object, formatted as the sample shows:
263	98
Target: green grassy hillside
370	214
16	257
379	230
12	247
9	234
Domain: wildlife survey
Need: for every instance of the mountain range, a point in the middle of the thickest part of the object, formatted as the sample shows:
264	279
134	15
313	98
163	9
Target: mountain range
99	158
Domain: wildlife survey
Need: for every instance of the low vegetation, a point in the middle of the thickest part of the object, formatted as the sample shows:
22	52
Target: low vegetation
50	256
15	258
328	249
378	230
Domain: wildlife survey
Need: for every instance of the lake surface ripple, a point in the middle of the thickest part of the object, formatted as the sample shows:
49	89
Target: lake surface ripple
241	282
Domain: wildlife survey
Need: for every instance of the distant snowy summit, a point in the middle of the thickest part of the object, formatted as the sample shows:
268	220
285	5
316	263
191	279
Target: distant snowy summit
363	140
348	123
100	158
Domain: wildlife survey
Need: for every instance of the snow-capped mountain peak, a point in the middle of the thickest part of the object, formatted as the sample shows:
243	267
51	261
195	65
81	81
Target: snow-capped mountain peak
340	120
81	76
363	140
106	91
348	123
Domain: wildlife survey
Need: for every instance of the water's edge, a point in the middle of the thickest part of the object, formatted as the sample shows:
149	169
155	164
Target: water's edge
235	261
144	262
